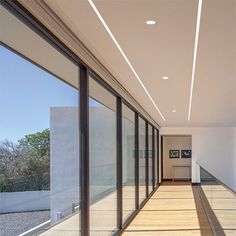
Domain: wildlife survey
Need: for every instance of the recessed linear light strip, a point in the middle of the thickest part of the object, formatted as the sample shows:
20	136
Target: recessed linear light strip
195	55
123	54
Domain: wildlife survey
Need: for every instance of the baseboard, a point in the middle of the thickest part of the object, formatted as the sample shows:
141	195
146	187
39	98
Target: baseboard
196	184
167	180
184	180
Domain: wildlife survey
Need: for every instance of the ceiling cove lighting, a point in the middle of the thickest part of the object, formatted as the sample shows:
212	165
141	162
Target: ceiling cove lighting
195	55
124	56
150	22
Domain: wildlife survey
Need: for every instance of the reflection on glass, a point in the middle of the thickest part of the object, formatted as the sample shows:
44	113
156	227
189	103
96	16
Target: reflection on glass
39	164
220	203
128	162
102	163
156	157
150	163
142	163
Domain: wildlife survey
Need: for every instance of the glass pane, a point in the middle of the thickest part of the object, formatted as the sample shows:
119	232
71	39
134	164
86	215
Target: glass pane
128	162
219	202
39	137
102	163
156	158
150	161
142	172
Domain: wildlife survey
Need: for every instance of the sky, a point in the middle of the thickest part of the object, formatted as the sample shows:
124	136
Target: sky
26	95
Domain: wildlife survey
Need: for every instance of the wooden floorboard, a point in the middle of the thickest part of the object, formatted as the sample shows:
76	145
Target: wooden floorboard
174	209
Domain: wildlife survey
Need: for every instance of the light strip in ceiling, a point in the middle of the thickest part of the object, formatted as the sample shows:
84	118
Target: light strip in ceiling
195	56
123	54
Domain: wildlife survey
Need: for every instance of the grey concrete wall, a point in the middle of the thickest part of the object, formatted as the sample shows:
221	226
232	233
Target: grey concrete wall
128	149
64	161
102	133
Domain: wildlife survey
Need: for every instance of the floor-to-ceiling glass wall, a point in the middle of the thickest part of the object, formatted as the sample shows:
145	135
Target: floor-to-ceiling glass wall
39	142
156	140
39	147
102	160
142	161
128	160
150	159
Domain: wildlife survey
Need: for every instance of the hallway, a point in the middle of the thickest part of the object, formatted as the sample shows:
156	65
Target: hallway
174	209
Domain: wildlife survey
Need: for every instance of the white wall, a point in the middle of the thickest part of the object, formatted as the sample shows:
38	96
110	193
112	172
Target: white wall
64	160
178	143
214	149
102	150
24	201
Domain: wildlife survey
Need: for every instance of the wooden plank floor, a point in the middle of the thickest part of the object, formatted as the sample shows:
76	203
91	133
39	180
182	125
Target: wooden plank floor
174	209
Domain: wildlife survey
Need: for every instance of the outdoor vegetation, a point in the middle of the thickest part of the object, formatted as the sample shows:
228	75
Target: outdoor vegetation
25	165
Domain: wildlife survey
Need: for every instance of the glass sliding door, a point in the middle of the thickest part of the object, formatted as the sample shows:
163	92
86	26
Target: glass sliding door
39	148
142	161
102	160
128	160
150	159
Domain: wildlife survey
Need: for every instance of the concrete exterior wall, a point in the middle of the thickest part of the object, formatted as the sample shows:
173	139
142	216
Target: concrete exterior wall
128	149
64	161
142	161
24	201
212	148
102	150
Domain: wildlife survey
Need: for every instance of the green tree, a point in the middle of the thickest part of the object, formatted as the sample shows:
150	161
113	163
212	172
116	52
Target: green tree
38	142
25	166
36	165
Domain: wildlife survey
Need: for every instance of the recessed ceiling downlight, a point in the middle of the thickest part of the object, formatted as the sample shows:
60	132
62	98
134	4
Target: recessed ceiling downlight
174	111
165	77
150	22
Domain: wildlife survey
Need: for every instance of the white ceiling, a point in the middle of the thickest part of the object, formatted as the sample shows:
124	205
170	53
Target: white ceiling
165	49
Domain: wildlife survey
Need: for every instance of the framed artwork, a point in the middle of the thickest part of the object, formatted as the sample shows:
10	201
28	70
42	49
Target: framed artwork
186	153
173	153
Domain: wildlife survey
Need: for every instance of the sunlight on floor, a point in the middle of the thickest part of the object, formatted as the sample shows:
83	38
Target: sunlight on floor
174	209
